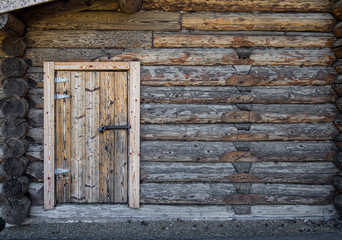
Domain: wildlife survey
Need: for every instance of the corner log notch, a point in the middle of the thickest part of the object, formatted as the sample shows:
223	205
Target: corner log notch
11	26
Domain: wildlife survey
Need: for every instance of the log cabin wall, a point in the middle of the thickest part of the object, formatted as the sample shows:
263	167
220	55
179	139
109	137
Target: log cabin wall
237	104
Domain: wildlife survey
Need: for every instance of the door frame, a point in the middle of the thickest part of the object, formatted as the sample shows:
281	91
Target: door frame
133	69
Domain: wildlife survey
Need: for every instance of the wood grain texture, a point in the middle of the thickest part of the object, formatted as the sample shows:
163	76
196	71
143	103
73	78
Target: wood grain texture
240	39
107	20
121	137
129	6
338	30
80	39
38	55
193	94
134	136
49	135
231	132
234	75
226	56
285	172
216	113
316	22
225	193
63	138
92	140
238	6
258	151
58	9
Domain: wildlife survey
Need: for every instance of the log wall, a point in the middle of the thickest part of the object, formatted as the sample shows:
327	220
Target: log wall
236	107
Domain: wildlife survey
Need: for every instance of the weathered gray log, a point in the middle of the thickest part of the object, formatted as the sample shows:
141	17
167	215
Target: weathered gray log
338	204
35	193
336	9
35	171
199	151
338	122
216	113
337	85
225	193
11	25
13	47
13	67
258	94
16	211
15	167
15	107
14	189
339	104
14	147
286	172
338	30
130	6
227	56
337	181
338	160
35	117
33	136
244	75
14	127
230	132
15	87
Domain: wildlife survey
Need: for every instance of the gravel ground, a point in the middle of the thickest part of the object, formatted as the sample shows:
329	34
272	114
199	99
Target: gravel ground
235	229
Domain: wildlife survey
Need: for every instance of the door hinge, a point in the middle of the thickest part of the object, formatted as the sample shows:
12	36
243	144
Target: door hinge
60	80
60	170
61	96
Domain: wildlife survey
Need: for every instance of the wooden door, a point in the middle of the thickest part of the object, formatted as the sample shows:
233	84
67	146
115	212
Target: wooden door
97	161
90	166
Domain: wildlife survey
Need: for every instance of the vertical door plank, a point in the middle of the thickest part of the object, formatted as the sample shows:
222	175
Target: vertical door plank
62	110
77	136
134	135
49	135
120	142
91	168
107	114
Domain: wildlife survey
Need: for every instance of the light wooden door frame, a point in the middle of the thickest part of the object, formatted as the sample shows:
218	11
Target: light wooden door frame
133	69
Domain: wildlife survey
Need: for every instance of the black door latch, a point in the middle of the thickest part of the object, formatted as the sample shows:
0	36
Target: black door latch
112	127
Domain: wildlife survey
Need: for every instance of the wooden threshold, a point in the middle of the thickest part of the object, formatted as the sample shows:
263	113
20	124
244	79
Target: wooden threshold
105	213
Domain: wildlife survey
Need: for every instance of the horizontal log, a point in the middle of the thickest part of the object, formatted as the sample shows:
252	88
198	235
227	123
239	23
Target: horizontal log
239	39
259	113
338	204
11	25
35	97
224	193
13	67
198	151
227	56
107	20
337	10
193	94
287	172
14	127
234	75
59	8
15	107
16	211
89	39
338	30
35	171
14	189
15	87
337	182
231	132
315	22
39	55
35	152
238	6
13	47
35	193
